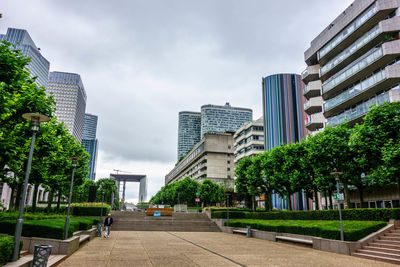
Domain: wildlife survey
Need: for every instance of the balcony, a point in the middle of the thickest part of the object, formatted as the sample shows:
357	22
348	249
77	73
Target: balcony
314	105
312	89
374	59
314	121
311	73
356	113
366	88
366	42
372	16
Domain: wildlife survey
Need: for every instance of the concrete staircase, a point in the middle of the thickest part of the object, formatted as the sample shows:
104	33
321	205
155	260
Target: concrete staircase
385	248
178	222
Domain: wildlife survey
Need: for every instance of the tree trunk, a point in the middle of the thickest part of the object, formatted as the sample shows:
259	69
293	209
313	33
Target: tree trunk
11	206
289	202
35	194
266	201
398	185
18	196
361	192
308	202
50	201
326	200
59	201
253	200
330	200
316	199
301	200
347	194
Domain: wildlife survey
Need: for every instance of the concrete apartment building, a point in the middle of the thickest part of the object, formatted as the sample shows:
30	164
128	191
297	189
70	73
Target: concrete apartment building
351	65
211	158
70	97
249	140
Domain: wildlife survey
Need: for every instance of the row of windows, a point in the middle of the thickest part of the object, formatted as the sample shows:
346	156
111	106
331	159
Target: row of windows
249	139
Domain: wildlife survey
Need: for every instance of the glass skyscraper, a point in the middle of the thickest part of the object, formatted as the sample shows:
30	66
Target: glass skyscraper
90	142
70	96
38	66
220	119
188	131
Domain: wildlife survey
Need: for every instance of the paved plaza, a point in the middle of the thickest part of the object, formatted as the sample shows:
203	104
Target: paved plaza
143	248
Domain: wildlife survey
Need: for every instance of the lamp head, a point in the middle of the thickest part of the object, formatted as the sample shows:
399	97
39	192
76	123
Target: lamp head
74	161
35	119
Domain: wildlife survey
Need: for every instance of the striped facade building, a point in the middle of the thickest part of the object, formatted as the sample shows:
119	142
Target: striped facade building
284	116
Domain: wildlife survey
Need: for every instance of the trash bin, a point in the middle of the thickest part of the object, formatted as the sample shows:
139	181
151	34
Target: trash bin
248	234
99	225
40	255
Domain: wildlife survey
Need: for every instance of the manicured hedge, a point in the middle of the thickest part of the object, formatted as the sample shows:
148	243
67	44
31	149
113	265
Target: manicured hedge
48	228
90	209
7	248
29	216
347	214
353	230
53	210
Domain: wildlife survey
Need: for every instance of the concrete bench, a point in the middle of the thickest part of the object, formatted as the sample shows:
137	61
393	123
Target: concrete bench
239	231
84	238
293	239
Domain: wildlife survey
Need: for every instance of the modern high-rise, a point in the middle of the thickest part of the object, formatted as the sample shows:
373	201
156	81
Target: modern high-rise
90	143
283	109
284	116
188	131
248	140
70	97
38	66
220	119
353	64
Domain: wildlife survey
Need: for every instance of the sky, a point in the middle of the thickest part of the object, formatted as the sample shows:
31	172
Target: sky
144	61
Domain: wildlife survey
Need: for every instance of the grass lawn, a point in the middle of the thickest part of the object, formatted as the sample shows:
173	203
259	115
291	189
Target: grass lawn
353	230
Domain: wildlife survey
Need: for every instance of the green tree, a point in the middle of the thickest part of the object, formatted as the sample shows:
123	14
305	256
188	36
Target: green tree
210	192
108	187
241	181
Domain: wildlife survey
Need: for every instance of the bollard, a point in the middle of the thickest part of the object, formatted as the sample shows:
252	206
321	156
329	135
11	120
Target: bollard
99	225
248	234
40	255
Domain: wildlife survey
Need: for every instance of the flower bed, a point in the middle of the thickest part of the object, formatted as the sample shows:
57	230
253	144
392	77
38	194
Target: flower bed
353	230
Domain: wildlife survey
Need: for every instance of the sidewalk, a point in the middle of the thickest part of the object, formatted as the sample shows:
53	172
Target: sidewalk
133	248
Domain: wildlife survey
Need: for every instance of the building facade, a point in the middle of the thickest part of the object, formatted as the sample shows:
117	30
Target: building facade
353	64
70	97
249	140
90	142
189	126
220	119
284	117
283	103
38	66
211	158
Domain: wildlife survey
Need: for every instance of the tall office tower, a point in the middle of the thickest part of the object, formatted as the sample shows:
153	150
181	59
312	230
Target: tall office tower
188	131
90	143
353	64
248	140
38	66
220	119
284	122
70	96
283	109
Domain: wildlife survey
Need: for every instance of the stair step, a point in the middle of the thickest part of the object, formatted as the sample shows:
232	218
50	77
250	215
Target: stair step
391	233
392	242
24	253
382	245
381	249
379	253
377	258
386	237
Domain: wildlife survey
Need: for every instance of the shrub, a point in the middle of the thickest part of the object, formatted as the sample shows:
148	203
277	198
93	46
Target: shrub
53	210
353	230
7	248
90	209
347	214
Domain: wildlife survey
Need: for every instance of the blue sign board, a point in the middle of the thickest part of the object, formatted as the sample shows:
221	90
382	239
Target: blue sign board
157	213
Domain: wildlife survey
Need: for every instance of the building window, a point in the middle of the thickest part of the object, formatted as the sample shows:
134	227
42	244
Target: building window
228	169
229	162
229	147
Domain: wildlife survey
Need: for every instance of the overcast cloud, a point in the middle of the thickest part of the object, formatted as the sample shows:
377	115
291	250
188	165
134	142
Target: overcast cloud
142	62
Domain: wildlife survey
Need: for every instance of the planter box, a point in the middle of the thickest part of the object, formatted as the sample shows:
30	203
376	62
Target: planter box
60	247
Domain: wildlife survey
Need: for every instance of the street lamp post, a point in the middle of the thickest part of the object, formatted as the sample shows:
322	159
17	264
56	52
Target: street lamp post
74	162
35	120
337	174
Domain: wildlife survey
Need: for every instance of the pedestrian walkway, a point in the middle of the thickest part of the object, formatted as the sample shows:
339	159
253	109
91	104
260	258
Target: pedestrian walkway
143	248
